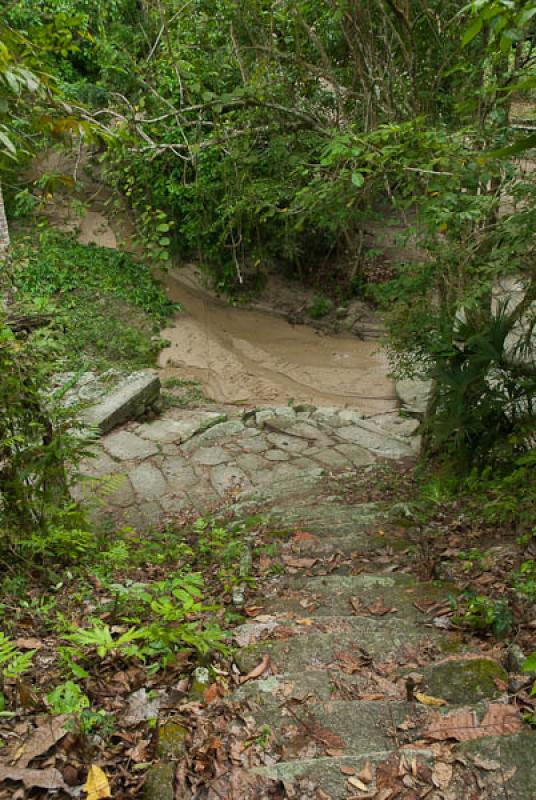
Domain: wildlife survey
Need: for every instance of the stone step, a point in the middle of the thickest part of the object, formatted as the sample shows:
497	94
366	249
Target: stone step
347	595
303	648
321	685
331	774
350	728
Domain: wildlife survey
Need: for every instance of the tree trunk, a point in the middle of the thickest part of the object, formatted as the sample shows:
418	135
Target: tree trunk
4	230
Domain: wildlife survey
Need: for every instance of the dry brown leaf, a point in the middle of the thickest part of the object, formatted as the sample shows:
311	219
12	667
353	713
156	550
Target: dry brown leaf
300	563
501	719
42	740
366	773
35	778
259	670
97	786
29	644
461	725
379	609
357	784
347	770
441	775
211	693
428	700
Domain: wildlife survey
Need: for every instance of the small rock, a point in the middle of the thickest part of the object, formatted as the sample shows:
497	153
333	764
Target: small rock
159	782
172	740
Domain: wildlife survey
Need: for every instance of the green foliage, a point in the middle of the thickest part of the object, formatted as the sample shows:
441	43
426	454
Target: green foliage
67	698
58	265
166	617
482	614
57	275
320	307
13	664
39	448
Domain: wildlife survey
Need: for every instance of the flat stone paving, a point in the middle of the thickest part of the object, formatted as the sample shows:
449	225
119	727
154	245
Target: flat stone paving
196	458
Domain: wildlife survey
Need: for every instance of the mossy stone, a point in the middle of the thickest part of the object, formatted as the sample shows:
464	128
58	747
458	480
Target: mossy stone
466	680
159	782
172	740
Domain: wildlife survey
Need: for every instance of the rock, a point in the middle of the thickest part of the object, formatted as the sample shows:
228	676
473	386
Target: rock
269	415
414	394
223	430
130	399
162	430
226	478
211	456
159	782
148	481
172	738
352	417
372	438
276	455
127	446
514	658
341	312
465	680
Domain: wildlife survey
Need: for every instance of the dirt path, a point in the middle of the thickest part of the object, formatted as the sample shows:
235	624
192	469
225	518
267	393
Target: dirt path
246	356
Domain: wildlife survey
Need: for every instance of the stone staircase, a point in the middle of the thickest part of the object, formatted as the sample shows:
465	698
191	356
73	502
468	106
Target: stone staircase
341	648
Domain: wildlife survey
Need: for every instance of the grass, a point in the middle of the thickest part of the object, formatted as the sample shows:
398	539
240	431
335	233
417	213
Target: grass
179	393
106	308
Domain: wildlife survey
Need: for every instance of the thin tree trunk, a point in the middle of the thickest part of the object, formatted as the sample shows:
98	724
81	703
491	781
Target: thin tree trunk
4	230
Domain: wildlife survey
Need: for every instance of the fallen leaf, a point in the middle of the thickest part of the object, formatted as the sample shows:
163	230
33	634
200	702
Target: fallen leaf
97	786
35	778
29	644
461	725
211	693
300	563
366	773
428	700
501	719
486	763
253	611
441	775
305	622
259	670
379	609
140	708
347	770
357	784
42	740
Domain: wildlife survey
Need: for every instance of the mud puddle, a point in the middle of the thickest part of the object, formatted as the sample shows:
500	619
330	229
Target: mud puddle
251	357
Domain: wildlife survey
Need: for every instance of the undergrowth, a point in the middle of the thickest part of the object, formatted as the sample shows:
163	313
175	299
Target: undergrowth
105	307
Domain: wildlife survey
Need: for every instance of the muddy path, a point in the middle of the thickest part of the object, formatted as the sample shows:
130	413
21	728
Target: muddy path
249	356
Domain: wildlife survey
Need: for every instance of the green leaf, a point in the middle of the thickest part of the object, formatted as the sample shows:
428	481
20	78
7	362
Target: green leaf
512	149
472	30
358	180
10	147
529	665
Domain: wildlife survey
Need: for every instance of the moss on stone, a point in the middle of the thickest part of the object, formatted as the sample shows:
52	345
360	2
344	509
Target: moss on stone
466	680
172	740
159	782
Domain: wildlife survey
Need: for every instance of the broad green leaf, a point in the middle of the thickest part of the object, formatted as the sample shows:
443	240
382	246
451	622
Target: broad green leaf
358	180
473	30
529	665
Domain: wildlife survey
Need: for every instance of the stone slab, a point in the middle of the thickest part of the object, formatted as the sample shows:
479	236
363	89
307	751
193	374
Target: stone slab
130	399
127	446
